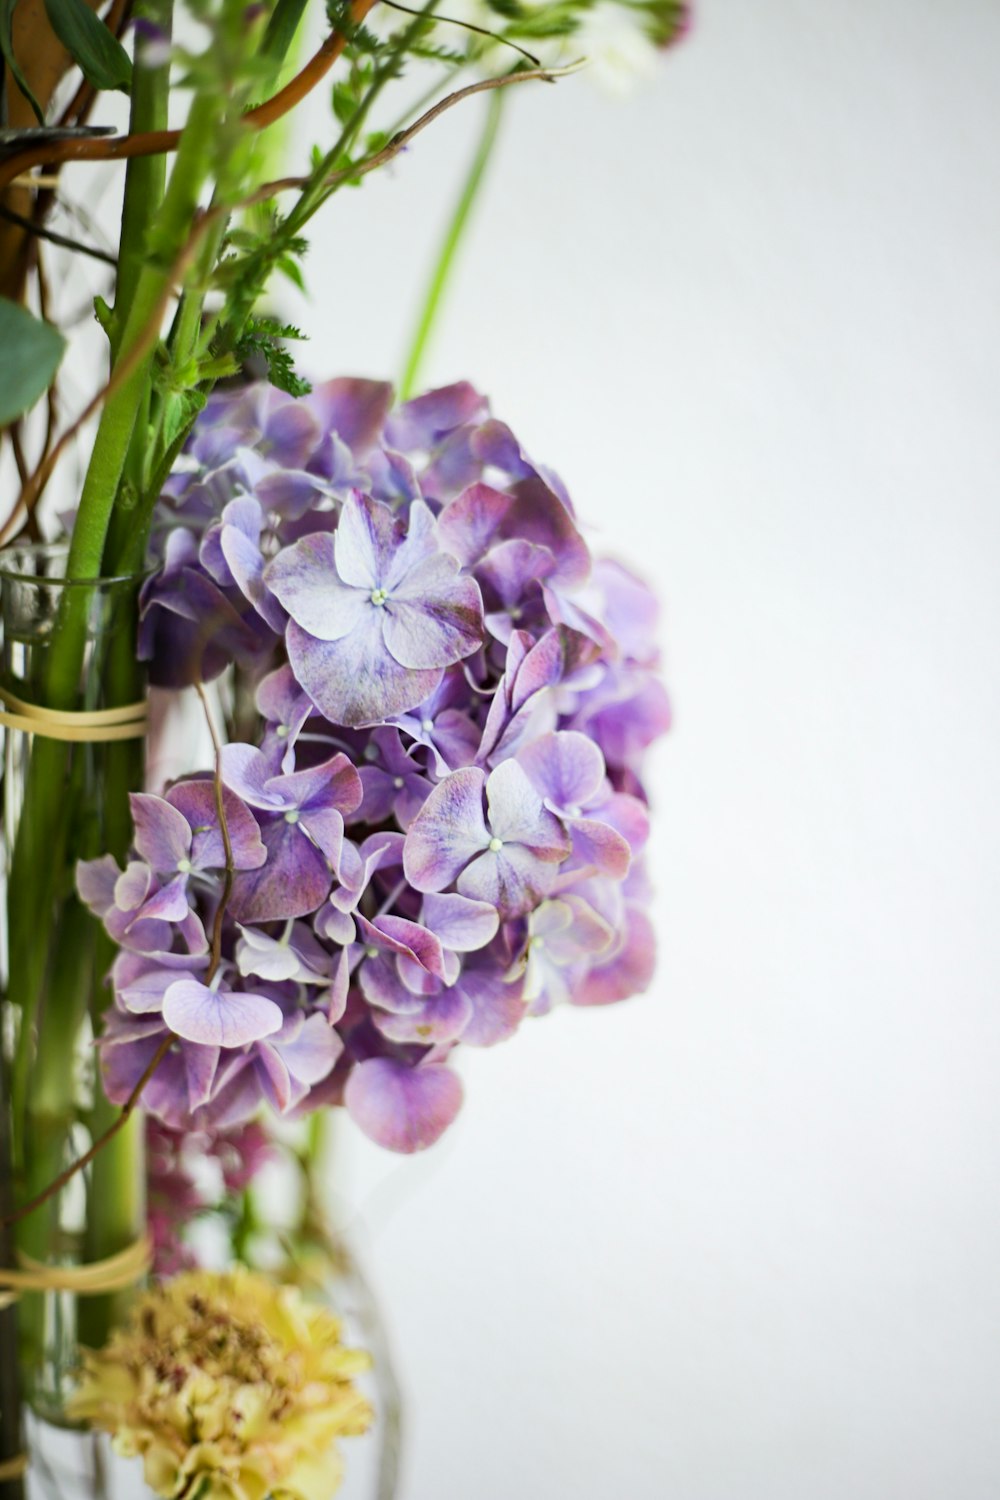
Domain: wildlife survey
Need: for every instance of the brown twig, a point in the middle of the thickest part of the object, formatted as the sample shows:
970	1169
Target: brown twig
65	241
220	808
159	142
32	493
118	1123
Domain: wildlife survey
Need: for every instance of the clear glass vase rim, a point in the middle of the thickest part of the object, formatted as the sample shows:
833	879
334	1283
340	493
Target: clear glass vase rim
60	550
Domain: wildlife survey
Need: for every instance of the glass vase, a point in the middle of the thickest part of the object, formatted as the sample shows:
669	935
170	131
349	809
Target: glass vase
68	648
68	1465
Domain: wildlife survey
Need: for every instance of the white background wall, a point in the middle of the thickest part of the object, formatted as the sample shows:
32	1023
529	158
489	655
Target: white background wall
739	1240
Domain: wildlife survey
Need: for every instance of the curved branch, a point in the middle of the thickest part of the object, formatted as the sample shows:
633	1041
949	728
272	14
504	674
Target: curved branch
155	142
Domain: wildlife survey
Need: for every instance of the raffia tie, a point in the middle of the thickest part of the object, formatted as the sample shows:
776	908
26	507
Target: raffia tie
111	1275
91	725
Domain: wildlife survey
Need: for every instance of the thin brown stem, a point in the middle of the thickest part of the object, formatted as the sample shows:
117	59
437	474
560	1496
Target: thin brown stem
220	807
32	492
128	1108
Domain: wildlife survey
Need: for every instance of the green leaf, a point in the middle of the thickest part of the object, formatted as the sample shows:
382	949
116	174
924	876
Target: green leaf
31	354
7	48
103	59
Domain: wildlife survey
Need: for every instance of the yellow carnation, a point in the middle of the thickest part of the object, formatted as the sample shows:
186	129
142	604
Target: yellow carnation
229	1387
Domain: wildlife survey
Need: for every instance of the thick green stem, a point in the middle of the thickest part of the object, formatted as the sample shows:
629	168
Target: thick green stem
449	247
145	176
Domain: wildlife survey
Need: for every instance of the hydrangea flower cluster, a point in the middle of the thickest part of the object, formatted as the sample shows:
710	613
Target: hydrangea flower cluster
439	828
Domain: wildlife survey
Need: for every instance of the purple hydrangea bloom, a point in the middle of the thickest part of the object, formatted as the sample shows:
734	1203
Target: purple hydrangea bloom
435	796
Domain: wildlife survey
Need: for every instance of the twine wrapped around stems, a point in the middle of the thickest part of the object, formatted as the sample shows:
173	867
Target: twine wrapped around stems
80	725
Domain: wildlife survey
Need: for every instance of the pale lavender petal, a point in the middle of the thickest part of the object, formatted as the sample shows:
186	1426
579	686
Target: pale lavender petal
517	815
461	924
404	1109
600	846
448	831
313	1051
325	826
274	1077
200	1068
442	1018
566	767
367	536
95	883
419	545
498	1008
214	1019
132	886
169	904
628	973
355	681
304	579
143	991
247	772
162	835
436	618
513	880
246	564
196	800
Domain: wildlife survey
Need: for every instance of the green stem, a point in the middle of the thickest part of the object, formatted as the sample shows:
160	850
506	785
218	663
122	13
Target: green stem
145	176
450	246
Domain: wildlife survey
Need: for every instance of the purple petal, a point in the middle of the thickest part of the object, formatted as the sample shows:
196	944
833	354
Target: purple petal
325	826
599	845
498	1007
441	1018
448	831
196	801
367	537
213	1019
513	880
294	883
162	834
355	681
247	772
418	546
566	767
246	564
353	408
628	973
95	883
435	618
517	815
311	1055
407	938
169	904
334	784
462	925
304	579
401	1108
